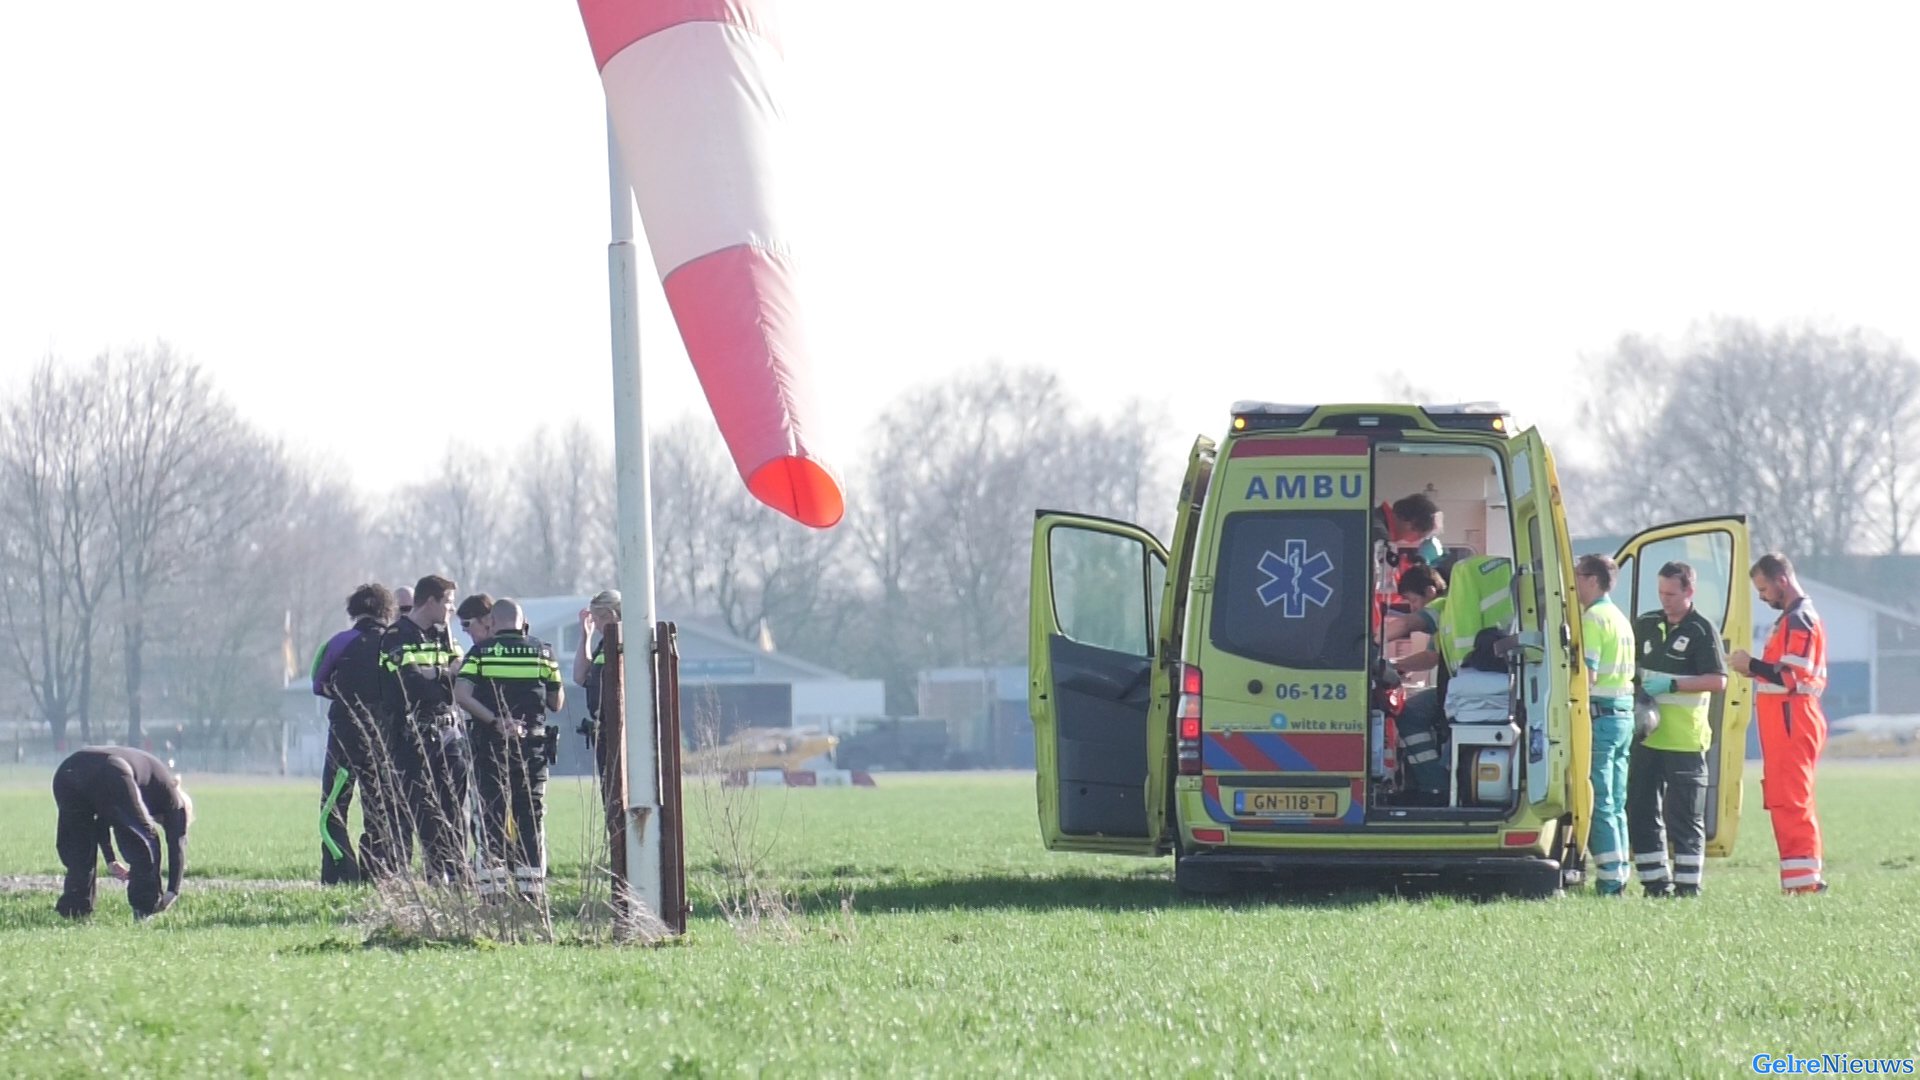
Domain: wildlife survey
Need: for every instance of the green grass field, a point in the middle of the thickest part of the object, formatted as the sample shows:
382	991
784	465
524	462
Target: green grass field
969	951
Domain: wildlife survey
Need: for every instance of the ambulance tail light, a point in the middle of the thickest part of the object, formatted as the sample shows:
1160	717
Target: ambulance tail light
1186	719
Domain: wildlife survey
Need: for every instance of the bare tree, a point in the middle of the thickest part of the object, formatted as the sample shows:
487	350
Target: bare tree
720	553
702	520
1797	427
942	518
1895	417
799	587
310	553
54	556
228	674
183	475
1627	391
561	494
1119	467
881	515
450	524
989	441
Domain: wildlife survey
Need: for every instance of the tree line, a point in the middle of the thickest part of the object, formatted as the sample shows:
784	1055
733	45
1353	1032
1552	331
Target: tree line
1809	432
161	556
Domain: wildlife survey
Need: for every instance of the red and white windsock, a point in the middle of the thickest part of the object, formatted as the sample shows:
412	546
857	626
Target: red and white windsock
690	90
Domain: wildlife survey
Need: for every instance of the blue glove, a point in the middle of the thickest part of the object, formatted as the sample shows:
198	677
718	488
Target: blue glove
1656	684
1431	551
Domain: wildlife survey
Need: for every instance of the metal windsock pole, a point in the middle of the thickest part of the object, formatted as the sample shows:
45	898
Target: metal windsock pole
636	546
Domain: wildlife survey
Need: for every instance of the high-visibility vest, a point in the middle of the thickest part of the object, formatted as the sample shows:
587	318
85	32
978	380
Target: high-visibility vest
1479	595
1606	636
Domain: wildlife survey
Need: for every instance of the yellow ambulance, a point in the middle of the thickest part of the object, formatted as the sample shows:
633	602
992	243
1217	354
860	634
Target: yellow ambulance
1229	697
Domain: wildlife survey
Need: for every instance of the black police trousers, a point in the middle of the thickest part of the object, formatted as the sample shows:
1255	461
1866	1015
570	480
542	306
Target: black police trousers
430	757
510	773
94	793
357	758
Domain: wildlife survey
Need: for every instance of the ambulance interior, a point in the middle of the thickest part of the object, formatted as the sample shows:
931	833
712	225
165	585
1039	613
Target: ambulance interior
1469	486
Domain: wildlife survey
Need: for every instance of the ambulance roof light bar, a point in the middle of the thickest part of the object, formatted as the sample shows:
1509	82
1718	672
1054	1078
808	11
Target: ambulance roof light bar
1268	415
1464	416
1469	416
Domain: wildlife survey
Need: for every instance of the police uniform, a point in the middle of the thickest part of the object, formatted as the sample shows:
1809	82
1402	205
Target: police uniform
1607	637
594	686
1793	728
347	672
429	752
1667	769
116	793
512	675
604	764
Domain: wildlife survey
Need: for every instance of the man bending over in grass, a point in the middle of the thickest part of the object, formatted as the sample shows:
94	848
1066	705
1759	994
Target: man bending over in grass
109	793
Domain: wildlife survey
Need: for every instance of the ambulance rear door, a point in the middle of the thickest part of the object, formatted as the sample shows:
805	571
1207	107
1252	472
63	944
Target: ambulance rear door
1717	549
1169	636
1096	589
1284	600
1558	750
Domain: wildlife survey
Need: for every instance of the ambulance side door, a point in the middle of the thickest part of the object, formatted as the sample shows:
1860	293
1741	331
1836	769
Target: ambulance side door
1096	586
1557	750
1718	551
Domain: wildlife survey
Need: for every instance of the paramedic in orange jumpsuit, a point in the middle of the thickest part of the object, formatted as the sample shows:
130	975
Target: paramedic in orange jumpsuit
1787	683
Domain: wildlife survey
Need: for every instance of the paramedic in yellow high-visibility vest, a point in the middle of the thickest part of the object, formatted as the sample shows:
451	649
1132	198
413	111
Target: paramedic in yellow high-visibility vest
1479	597
1681	665
1606	636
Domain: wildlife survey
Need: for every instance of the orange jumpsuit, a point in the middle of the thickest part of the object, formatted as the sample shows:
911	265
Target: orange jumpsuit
1788	682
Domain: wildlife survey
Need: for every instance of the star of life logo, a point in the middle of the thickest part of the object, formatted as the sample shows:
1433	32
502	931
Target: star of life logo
1294	579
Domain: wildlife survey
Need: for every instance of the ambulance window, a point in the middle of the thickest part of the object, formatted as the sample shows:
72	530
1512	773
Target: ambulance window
1100	588
1291	588
1711	556
1622	591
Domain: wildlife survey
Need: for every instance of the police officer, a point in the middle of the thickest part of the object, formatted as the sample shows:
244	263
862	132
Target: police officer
347	673
1681	666
472	614
508	685
116	793
1793	728
590	658
589	671
1606	636
428	748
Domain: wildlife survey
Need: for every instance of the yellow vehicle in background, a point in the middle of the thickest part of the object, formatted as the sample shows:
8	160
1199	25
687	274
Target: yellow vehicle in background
755	749
1226	697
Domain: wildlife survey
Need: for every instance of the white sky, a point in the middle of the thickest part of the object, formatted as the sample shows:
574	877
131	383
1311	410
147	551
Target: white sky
406	202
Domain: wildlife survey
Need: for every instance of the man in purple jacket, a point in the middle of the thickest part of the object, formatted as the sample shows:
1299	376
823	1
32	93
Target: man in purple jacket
346	671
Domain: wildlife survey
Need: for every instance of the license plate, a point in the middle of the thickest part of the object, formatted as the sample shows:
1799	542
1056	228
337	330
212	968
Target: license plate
1284	803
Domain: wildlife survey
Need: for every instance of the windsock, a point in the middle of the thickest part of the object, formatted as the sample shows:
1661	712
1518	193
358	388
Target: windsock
695	115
